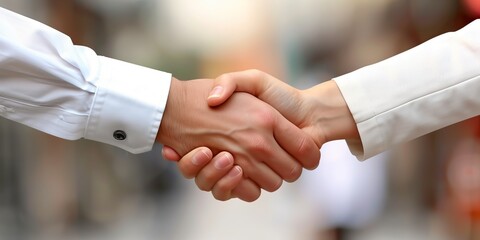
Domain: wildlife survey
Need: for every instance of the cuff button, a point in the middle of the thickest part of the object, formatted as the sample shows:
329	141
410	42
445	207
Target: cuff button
119	135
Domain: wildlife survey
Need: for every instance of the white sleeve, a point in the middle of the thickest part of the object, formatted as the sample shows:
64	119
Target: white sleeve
68	91
429	87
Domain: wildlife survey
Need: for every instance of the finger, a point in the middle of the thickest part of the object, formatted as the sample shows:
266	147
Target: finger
222	190
220	165
169	153
247	190
298	144
191	164
250	81
282	163
263	147
262	175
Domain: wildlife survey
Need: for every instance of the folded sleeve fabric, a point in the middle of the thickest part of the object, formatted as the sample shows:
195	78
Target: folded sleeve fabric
431	86
48	83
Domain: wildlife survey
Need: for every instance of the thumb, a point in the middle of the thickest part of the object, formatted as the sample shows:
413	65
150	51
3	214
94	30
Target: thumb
249	81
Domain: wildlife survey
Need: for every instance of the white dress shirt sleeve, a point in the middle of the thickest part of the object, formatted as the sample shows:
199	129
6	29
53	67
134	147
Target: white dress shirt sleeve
68	91
429	87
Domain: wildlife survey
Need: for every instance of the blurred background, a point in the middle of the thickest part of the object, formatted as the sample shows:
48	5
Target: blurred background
426	189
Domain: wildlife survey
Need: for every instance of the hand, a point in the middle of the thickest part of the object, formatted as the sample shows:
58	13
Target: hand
267	146
224	183
320	111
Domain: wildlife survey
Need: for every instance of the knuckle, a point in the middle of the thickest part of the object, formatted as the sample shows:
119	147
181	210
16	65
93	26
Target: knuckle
188	174
209	179
255	73
225	78
248	194
308	151
221	197
313	160
275	186
265	117
202	185
251	198
258	144
305	147
221	192
295	173
222	187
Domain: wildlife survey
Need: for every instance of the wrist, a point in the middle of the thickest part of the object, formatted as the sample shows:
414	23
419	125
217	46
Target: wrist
330	113
175	102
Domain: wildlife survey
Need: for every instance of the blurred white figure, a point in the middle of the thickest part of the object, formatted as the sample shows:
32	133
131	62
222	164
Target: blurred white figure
347	193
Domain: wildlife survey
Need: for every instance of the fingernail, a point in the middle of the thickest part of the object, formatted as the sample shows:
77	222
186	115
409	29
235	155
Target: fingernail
200	158
224	161
216	92
235	172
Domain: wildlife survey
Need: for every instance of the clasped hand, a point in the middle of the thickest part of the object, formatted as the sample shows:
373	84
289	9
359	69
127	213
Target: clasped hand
242	142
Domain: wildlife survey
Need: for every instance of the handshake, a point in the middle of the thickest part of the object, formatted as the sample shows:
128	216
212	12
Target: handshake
243	131
246	131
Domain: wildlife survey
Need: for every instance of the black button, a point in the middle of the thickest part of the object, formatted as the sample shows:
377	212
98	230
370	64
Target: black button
119	135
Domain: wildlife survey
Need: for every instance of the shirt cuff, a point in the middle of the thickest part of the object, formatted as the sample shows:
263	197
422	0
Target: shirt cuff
128	105
371	141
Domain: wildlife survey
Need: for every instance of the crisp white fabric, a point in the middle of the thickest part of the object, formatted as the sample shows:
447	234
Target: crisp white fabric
68	91
426	88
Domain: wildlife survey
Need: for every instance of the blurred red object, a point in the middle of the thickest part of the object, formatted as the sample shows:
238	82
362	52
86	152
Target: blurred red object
477	126
472	7
461	199
463	178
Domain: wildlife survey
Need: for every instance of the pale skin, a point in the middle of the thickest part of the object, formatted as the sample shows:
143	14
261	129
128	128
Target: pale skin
254	145
320	111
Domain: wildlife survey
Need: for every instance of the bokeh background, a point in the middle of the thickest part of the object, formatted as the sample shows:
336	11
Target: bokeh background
425	189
